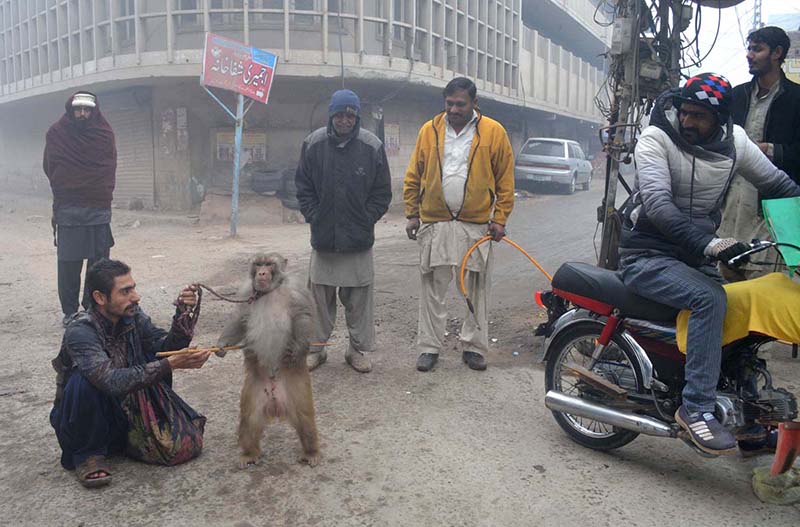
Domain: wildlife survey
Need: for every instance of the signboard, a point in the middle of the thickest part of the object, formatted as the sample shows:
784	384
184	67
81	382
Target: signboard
254	146
233	66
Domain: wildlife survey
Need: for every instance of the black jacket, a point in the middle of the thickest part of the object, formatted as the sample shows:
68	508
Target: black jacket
782	128
116	359
343	189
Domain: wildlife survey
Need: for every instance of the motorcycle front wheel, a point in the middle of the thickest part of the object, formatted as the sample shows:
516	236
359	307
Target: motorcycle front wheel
617	364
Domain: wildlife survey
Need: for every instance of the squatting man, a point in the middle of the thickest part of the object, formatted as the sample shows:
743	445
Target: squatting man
107	355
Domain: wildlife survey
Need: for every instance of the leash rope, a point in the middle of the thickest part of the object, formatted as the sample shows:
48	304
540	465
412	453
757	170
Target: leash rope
463	270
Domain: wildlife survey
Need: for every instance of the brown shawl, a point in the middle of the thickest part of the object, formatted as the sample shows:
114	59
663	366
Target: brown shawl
81	162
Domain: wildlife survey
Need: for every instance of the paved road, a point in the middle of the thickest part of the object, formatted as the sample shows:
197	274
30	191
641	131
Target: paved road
449	447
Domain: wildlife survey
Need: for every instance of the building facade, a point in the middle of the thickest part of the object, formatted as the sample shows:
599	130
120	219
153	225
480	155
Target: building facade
536	63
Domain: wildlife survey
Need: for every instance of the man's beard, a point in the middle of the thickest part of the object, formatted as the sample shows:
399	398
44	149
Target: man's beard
693	137
81	124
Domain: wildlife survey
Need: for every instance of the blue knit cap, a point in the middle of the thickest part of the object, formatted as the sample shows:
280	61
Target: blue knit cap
344	101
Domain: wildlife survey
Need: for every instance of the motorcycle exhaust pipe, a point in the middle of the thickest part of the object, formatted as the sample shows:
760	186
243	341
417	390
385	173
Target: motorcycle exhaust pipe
560	402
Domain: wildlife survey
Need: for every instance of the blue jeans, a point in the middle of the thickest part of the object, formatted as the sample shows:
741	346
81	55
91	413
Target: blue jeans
87	423
698	289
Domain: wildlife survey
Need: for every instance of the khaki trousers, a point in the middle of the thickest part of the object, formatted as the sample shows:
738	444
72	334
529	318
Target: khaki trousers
359	308
433	310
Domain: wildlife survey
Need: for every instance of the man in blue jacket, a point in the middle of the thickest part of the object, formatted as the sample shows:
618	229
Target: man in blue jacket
344	188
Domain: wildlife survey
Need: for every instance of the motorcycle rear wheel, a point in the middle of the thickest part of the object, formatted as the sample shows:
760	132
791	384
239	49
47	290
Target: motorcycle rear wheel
617	364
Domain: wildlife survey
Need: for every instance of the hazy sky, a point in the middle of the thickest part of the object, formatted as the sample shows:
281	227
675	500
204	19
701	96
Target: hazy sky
728	54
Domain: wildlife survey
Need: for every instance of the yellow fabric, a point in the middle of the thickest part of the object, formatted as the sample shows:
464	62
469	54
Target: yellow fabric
769	305
490	179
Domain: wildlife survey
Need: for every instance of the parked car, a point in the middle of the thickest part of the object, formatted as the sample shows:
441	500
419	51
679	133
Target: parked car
555	161
263	178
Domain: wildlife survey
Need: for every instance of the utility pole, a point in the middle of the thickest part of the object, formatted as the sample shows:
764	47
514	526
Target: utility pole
645	60
625	39
757	23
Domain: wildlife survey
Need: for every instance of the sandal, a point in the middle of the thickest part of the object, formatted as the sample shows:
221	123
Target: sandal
93	465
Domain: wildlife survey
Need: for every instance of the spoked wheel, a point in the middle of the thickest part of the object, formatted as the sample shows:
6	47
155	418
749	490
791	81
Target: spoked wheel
574	347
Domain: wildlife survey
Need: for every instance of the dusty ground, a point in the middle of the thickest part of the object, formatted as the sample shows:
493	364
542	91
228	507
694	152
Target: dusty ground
451	447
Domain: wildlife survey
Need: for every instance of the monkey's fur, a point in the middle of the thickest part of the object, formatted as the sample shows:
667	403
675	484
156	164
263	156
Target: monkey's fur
274	328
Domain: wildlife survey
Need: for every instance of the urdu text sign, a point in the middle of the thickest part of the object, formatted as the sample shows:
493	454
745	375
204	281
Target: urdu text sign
233	66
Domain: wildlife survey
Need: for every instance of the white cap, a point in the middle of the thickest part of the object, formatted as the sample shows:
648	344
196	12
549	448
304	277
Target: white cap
84	99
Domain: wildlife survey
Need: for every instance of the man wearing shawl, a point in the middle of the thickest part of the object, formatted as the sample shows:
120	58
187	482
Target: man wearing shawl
80	160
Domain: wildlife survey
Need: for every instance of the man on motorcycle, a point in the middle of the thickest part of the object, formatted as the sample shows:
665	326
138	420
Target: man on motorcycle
685	162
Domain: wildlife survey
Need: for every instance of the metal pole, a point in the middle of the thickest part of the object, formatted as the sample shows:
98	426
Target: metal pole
236	158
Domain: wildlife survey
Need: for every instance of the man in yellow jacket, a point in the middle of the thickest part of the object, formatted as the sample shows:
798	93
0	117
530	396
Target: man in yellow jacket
460	180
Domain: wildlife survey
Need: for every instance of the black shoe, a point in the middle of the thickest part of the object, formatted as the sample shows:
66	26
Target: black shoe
426	361
706	432
766	444
475	361
66	320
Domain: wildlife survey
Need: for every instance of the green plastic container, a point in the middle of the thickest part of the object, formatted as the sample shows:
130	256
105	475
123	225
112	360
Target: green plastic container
783	222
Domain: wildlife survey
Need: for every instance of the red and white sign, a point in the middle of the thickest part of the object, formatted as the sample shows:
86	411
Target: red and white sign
234	66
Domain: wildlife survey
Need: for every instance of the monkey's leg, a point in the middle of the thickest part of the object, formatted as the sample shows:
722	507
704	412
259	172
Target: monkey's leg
300	412
252	417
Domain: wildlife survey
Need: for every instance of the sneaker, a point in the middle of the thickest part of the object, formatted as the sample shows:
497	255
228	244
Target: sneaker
316	359
706	432
426	361
475	361
358	361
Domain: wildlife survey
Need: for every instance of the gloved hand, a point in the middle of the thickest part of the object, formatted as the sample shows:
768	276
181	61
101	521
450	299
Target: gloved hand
723	249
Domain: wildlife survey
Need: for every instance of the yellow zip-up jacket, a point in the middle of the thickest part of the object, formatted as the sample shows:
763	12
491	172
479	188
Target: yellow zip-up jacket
489	191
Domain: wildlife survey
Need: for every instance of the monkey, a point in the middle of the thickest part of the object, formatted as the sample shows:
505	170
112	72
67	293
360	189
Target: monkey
274	327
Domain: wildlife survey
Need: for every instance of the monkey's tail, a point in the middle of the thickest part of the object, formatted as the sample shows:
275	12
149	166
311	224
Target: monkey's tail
463	270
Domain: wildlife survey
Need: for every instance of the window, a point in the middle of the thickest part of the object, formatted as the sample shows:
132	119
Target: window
126	29
544	148
188	20
303	5
575	152
401	12
226	19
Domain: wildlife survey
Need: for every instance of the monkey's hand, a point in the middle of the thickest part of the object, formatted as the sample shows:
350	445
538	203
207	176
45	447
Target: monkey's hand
221	353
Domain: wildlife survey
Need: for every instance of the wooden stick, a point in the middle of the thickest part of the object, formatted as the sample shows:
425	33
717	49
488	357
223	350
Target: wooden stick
212	349
195	350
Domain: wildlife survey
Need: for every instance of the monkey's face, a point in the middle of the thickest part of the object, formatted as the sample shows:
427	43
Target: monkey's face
266	271
264	277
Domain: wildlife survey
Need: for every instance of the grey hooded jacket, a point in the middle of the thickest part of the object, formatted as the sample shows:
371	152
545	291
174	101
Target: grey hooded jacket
679	188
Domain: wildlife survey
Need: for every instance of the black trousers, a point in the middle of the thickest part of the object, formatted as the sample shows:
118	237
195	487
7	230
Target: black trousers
69	283
87	423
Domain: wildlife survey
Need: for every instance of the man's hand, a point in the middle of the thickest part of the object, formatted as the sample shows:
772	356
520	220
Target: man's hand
764	147
188	296
189	361
723	249
496	231
412	226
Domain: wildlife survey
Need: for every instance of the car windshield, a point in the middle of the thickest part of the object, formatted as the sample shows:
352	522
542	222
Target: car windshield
544	148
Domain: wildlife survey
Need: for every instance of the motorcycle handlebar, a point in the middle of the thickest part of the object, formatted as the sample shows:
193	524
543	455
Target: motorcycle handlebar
756	246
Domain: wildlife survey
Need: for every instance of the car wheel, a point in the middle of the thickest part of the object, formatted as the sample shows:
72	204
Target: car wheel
588	182
569	188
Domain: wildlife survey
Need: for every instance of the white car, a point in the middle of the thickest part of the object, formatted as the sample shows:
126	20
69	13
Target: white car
550	160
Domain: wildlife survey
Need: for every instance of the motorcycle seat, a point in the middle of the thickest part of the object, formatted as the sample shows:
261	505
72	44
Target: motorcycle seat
605	286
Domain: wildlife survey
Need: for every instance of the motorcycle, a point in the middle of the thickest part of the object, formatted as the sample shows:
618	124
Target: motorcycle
614	370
